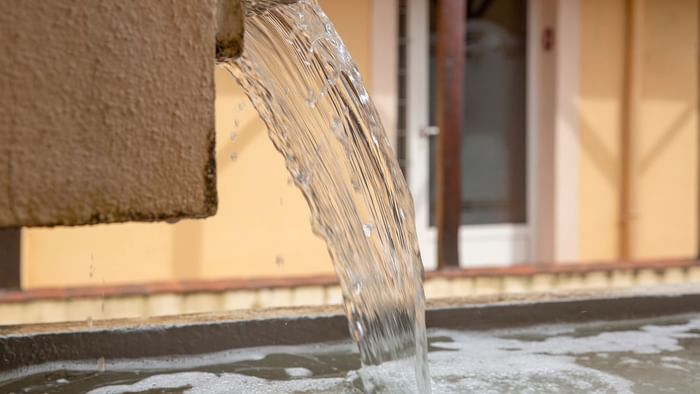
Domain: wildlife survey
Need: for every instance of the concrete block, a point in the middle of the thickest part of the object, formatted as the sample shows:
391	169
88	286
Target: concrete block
44	312
201	302
124	307
516	284
487	285
12	314
567	282
672	276
622	279
461	287
308	296
436	288
334	295
239	299
85	309
542	283
693	275
107	111
647	277
164	305
596	280
274	298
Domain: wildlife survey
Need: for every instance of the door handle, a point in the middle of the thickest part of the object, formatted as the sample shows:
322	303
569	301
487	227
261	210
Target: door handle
429	131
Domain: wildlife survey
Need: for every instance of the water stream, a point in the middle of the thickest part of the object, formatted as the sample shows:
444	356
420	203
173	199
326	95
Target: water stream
301	79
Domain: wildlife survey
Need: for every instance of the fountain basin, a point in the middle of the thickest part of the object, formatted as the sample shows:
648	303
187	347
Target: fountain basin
38	350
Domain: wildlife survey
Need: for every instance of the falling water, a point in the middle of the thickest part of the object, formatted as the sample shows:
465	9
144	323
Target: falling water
303	82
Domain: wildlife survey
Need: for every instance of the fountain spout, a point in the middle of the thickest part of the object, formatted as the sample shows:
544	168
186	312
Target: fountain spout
229	29
229	24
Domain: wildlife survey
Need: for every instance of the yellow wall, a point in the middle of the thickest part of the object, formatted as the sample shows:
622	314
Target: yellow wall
600	115
665	141
663	149
261	217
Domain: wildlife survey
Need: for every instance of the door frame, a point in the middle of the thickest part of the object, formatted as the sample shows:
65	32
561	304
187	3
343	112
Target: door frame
552	163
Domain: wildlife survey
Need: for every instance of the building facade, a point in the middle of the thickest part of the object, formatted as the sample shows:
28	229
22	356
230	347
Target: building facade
580	144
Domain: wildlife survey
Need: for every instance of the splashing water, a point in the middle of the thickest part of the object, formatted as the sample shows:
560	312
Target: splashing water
301	79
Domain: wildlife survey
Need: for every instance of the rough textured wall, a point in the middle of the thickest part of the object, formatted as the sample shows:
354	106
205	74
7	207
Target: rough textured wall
106	111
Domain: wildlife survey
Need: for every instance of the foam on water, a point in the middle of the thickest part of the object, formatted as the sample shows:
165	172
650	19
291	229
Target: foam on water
209	383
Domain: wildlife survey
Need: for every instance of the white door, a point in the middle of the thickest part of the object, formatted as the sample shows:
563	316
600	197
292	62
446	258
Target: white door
496	227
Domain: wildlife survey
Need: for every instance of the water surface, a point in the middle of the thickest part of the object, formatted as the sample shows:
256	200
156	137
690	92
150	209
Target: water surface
648	356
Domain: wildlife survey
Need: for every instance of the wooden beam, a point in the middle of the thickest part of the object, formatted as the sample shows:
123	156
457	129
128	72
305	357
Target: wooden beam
10	258
627	202
451	37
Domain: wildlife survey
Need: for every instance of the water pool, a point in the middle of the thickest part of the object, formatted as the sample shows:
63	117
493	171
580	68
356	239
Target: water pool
649	355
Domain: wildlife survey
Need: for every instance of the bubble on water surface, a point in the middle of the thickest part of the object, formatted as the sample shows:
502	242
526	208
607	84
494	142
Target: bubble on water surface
298	372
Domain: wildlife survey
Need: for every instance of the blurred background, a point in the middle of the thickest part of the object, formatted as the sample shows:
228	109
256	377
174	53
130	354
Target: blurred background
578	169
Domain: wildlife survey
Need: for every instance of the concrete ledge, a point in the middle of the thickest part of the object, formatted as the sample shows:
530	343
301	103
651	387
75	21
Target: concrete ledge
22	346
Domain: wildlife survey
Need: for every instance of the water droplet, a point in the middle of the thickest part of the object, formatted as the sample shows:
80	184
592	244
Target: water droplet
311	99
356	185
241	106
335	124
233	156
375	141
236	123
279	260
302	179
89	321
359	329
356	288
367	229
101	365
233	136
